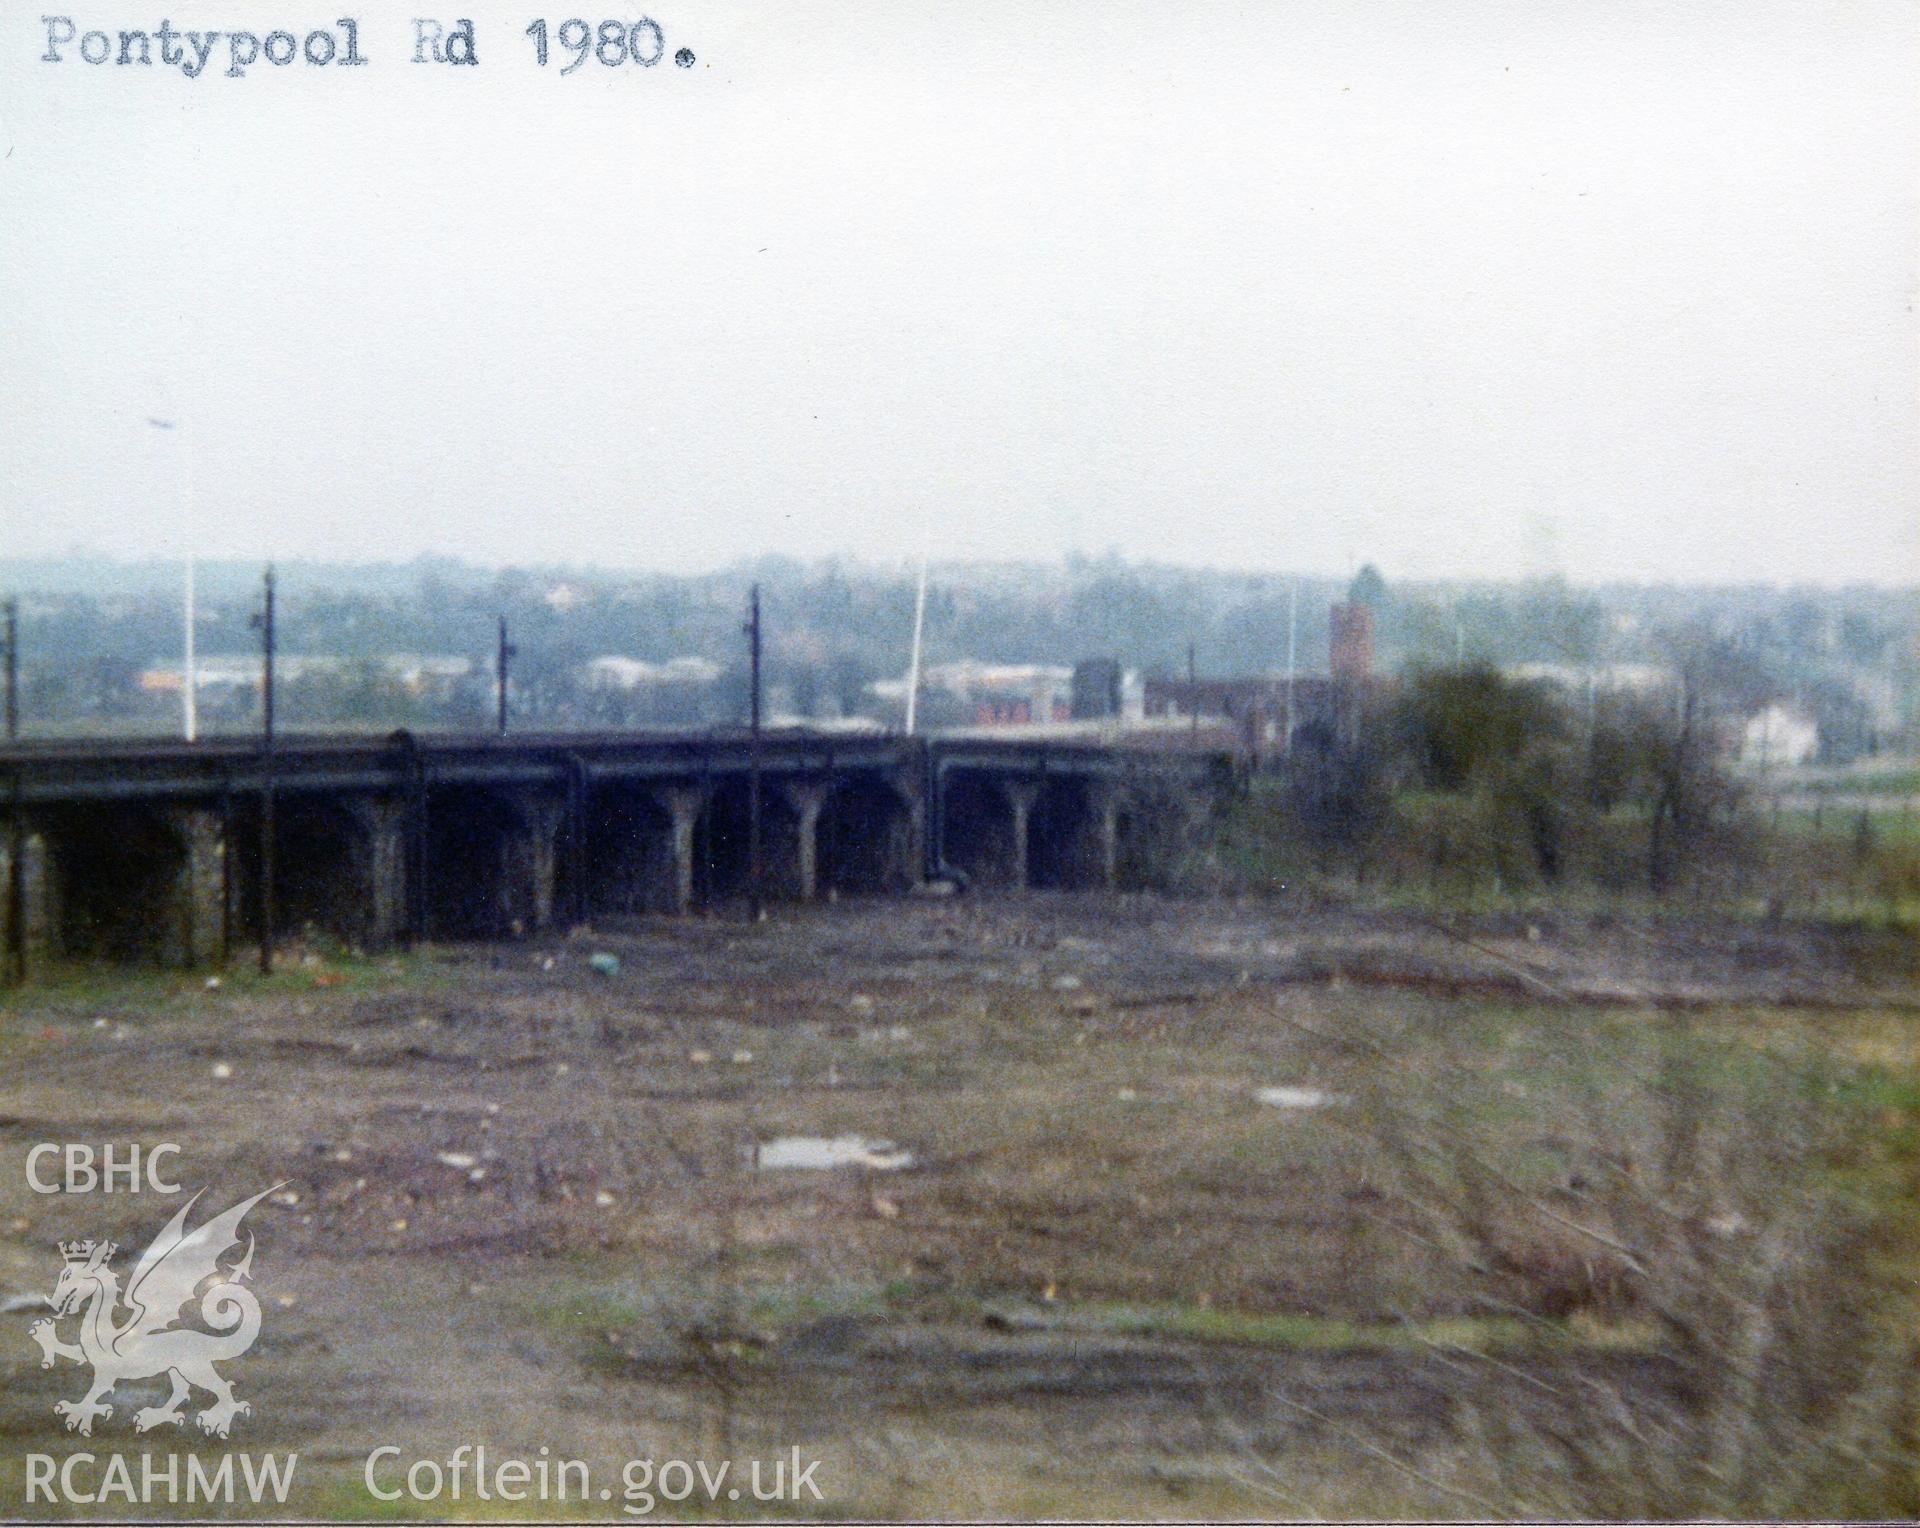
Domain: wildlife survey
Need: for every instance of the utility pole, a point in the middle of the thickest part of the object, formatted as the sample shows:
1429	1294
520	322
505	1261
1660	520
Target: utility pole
919	627
17	881
16	828
13	669
755	866
1193	687
264	621
1293	633
508	652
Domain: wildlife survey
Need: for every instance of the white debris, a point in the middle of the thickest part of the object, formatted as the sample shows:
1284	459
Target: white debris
603	1199
460	1159
819	1151
1067	984
1297	1098
222	1071
742	1057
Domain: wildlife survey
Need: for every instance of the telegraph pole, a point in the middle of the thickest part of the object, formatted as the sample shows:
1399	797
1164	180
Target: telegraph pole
13	669
755	865
1293	632
267	912
508	652
1193	687
16	831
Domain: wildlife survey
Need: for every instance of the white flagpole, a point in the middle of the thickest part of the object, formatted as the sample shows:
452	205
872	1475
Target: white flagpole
190	686
919	627
189	674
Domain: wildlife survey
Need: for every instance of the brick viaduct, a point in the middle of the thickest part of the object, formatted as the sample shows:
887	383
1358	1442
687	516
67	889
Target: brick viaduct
152	851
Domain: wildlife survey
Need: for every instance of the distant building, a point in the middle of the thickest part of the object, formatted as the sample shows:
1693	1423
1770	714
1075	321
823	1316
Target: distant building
1265	716
990	694
1350	643
1777	737
1096	690
612	672
1596	678
1254	711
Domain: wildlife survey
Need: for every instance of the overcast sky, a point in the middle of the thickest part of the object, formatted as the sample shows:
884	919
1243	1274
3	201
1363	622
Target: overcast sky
1610	290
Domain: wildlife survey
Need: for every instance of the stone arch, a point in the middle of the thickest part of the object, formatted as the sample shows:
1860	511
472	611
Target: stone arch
627	856
1058	831
491	866
317	873
722	853
980	829
122	884
866	843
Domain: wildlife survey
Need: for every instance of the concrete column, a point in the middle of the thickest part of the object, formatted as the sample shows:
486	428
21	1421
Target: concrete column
913	852
1020	799
544	820
806	801
34	939
380	865
196	909
682	804
912	861
1105	806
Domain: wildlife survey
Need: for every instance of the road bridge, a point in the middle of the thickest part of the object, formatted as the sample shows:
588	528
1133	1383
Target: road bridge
164	852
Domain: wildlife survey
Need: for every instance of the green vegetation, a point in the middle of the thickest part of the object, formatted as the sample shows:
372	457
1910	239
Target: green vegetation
1472	792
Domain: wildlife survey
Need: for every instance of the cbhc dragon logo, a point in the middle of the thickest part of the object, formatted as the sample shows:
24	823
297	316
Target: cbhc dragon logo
148	1339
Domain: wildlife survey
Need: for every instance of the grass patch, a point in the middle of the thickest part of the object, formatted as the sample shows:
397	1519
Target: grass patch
89	985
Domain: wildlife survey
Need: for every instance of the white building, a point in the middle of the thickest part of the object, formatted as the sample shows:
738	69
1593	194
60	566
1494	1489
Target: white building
612	672
1778	737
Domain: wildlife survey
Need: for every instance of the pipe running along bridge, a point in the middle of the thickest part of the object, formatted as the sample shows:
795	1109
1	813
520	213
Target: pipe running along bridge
178	853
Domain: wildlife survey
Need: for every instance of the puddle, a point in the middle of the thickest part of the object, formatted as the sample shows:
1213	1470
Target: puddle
1297	1098
820	1151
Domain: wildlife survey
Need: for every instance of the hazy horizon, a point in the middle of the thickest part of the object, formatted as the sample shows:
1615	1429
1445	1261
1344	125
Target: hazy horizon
158	571
1491	291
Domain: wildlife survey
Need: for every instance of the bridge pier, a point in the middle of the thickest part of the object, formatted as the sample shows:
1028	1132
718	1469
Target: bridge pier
1103	826
807	800
195	928
380	862
537	846
683	804
26	902
1020	796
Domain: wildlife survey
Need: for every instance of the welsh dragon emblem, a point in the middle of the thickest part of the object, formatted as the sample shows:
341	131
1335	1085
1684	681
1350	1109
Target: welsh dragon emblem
146	1339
